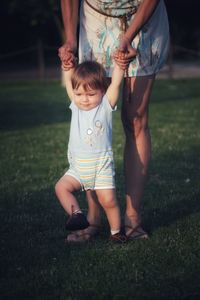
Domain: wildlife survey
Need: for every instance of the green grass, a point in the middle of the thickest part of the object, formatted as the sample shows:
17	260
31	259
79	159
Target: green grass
35	261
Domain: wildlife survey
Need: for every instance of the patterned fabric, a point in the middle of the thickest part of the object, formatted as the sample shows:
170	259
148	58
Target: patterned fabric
90	146
91	131
115	8
99	37
93	171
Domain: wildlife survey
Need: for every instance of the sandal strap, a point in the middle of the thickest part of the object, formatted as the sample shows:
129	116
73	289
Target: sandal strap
140	233
133	229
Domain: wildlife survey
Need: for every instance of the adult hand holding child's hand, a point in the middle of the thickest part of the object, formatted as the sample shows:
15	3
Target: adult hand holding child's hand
129	52
67	57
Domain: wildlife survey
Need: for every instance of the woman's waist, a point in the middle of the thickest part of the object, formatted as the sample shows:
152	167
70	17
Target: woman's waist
114	8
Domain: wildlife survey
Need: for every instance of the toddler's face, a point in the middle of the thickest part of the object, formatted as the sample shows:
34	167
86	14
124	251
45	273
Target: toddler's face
87	100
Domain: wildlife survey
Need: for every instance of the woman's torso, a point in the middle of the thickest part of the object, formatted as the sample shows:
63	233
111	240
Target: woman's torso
115	8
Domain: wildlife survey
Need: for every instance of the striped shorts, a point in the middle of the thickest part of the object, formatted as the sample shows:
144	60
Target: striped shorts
93	171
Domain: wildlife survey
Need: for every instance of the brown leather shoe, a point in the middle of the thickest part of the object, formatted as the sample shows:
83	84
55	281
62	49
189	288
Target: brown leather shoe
118	238
77	221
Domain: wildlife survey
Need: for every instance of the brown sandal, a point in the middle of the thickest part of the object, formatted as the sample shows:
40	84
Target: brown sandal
136	233
83	235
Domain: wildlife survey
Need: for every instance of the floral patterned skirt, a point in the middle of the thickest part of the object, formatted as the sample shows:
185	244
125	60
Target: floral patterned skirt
99	37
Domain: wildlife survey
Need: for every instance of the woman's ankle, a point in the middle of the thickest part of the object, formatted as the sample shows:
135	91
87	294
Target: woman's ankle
132	220
94	220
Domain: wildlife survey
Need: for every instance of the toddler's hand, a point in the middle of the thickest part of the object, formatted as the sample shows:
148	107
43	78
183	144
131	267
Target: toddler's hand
129	53
120	59
68	62
119	54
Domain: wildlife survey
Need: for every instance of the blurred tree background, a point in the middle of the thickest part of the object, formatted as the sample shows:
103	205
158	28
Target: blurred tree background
29	29
24	21
26	24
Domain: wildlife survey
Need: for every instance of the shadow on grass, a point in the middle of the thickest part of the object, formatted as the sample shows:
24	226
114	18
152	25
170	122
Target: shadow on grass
172	189
172	212
38	264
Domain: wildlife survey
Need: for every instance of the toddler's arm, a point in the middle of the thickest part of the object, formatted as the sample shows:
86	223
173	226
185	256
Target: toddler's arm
113	90
68	64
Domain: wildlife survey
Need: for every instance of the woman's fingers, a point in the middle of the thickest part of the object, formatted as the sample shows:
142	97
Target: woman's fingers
122	64
123	59
131	52
67	57
125	46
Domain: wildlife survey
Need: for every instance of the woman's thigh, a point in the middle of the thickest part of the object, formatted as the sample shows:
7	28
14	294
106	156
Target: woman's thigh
136	96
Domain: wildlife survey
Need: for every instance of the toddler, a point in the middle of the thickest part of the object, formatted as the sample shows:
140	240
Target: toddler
90	152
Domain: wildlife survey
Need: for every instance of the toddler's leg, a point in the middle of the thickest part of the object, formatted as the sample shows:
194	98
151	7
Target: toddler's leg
93	217
109	203
64	189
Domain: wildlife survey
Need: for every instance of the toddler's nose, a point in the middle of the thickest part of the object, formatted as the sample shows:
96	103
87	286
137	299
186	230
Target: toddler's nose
85	98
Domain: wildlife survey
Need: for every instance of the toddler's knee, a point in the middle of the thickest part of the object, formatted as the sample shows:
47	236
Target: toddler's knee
109	203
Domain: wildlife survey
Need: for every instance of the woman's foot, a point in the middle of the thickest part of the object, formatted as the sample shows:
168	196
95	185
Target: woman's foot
133	228
83	235
136	233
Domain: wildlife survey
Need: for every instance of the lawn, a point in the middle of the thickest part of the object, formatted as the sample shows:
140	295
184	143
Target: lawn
36	263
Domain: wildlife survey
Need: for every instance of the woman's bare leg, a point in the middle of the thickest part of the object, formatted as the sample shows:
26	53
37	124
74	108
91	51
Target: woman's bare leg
94	208
137	151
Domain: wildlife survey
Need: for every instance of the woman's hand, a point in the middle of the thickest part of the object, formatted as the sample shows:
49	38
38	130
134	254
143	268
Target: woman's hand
130	53
67	56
